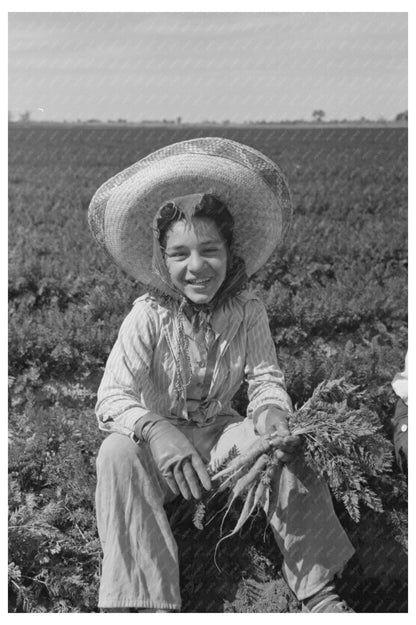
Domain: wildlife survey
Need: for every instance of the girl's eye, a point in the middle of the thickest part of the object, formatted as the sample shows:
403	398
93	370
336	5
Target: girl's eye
177	255
181	255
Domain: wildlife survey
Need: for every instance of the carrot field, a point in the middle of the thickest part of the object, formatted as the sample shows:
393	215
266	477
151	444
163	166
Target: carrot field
336	294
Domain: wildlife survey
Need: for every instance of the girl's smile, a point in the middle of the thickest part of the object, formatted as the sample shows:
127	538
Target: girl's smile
196	258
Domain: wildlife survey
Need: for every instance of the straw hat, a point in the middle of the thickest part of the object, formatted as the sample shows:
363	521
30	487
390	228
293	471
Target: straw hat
251	185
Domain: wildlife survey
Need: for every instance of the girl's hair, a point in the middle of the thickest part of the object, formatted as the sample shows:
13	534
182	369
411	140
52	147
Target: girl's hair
209	207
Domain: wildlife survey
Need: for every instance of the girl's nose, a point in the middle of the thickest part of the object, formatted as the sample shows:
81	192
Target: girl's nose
196	262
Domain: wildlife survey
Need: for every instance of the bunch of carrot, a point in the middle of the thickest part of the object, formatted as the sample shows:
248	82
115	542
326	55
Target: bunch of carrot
342	442
250	476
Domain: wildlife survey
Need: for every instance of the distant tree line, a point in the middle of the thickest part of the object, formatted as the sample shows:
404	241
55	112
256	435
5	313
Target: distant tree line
317	116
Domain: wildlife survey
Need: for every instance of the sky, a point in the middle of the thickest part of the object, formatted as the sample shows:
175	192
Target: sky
207	66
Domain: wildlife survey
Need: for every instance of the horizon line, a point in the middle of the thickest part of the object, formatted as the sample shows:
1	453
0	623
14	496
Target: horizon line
172	122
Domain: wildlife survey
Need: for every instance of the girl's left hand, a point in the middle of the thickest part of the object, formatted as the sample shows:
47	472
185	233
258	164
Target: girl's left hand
275	421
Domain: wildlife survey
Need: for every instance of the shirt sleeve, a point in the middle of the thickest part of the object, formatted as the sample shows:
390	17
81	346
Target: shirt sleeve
126	377
400	383
266	383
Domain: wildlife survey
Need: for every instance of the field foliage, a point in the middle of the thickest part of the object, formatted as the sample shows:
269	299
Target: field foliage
336	294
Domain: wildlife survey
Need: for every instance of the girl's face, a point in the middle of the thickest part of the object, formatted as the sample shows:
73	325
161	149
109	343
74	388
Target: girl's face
196	258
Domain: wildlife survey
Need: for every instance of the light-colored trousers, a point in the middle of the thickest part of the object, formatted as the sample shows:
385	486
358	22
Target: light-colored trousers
140	556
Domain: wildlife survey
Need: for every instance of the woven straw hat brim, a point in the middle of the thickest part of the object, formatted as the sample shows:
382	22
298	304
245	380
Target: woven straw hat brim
122	211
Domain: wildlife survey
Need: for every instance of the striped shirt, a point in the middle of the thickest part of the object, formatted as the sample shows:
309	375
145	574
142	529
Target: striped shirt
140	373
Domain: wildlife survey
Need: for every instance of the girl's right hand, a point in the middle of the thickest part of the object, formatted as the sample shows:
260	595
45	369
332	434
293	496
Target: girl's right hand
275	421
176	458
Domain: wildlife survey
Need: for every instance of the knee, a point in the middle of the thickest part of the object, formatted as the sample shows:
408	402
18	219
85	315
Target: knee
118	451
122	462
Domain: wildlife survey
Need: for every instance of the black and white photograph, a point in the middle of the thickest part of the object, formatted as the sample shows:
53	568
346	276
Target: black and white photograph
207	310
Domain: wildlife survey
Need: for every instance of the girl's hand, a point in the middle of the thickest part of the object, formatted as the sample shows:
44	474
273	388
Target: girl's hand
275	421
188	478
176	458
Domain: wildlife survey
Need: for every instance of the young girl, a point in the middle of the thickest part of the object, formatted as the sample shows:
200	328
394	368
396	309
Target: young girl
193	221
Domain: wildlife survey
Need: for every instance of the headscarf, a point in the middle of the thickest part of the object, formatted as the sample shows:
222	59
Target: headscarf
200	315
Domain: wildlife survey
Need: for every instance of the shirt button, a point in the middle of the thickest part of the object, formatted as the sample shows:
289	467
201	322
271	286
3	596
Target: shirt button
403	428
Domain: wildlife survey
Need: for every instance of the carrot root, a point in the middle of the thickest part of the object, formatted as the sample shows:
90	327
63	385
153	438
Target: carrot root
245	480
260	446
244	515
273	496
258	496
